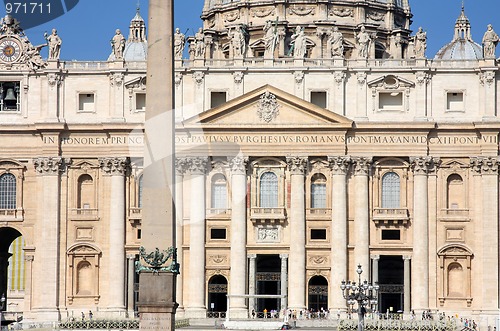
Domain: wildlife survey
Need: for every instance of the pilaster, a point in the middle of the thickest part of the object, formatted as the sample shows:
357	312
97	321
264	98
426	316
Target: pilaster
362	167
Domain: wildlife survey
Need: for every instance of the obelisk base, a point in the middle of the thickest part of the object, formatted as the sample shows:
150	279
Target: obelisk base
156	304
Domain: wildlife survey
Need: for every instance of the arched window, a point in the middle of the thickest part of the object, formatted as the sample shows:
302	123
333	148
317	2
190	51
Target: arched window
318	191
85	192
269	190
139	193
219	192
390	190
7	191
455	192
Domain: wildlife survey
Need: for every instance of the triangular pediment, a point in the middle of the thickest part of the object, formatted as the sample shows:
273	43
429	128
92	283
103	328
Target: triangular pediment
270	107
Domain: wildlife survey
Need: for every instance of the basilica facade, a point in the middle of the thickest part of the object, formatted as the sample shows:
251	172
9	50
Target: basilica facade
311	137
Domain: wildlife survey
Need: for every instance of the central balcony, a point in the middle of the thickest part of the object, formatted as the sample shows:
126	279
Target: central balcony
261	215
391	216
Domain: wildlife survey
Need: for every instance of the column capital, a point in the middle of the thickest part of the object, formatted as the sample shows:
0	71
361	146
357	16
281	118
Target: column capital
297	164
50	165
181	165
283	256
485	165
339	164
252	256
131	256
197	165
362	165
375	257
114	166
238	164
421	165
407	257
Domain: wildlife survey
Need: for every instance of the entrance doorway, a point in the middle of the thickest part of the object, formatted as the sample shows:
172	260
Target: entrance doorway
268	279
217	294
391	281
11	278
318	293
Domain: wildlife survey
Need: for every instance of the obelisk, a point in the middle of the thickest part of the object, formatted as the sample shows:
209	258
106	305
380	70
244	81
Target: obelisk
157	302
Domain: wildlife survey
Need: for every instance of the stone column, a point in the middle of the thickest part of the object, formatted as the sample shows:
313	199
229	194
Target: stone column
297	221
116	168
420	265
196	307
284	279
130	284
251	280
46	289
237	282
181	166
407	285
338	253
361	216
375	260
488	167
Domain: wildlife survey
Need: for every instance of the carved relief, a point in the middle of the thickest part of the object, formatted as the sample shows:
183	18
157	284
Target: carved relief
487	77
238	164
339	77
114	166
362	165
54	79
198	77
318	259
361	77
178	79
238	77
339	164
267	234
422	77
231	16
262	12
49	165
299	77
301	10
268	107
341	12
217	259
182	165
297	164
485	165
116	79
375	16
198	165
421	165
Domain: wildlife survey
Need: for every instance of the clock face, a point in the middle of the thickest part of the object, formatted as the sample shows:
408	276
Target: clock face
10	50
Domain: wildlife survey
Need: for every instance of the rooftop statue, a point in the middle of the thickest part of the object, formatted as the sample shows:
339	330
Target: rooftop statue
118	44
238	41
363	40
336	42
54	42
179	43
200	46
270	39
490	41
420	41
298	44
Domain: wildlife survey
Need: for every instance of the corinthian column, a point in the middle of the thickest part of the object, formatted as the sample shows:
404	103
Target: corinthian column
46	288
115	169
196	307
297	221
488	168
338	253
361	216
420	260
181	166
237	282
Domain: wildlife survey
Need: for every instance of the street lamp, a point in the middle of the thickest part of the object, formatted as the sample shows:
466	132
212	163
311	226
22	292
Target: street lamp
364	293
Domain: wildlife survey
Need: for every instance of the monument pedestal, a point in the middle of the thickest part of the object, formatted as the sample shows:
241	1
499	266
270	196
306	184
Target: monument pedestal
157	304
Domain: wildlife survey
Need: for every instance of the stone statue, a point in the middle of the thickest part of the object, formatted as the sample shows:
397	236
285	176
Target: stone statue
363	40
336	42
420	41
298	44
118	44
270	39
490	41
54	42
200	46
179	43
238	41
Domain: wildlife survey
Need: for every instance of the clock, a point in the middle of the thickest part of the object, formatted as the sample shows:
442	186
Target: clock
10	50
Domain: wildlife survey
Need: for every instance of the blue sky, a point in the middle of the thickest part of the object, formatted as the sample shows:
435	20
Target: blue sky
87	29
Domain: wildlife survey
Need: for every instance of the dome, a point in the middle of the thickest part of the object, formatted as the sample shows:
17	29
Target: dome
462	47
136	46
214	3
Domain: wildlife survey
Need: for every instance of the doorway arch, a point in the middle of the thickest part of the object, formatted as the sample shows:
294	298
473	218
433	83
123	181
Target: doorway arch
318	293
8	235
217	294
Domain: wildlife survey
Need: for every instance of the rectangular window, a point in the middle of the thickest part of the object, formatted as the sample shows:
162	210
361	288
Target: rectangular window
318	98
9	96
217	233
86	102
318	195
391	235
139	233
140	102
390	101
318	234
217	99
455	101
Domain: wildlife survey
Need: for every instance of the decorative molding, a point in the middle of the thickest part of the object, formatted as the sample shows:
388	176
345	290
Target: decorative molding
422	77
181	165
231	16
268	107
485	165
319	259
238	77
198	77
361	77
49	165
178	79
198	165
238	164
302	10
217	259
297	164
54	79
341	12
299	77
421	164
375	16
487	77
262	12
268	234
339	165
114	166
116	79
339	77
362	165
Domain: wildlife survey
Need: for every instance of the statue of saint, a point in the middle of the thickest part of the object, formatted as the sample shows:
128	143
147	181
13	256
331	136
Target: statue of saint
298	43
54	42
363	41
179	43
420	41
270	39
200	46
336	41
490	41
118	44
238	42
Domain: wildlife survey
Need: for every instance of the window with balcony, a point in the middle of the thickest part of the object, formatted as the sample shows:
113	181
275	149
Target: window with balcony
8	191
391	190
219	193
318	191
269	190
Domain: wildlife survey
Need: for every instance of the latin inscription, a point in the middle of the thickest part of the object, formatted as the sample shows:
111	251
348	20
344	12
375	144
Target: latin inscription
118	140
155	323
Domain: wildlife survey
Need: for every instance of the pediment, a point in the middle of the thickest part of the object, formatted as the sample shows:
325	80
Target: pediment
268	106
390	82
138	82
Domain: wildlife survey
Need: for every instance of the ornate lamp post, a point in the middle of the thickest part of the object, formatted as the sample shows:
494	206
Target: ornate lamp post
364	293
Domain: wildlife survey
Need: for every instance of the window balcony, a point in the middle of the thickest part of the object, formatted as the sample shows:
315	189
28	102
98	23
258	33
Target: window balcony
134	215
224	213
12	215
391	216
267	215
84	214
319	213
454	214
